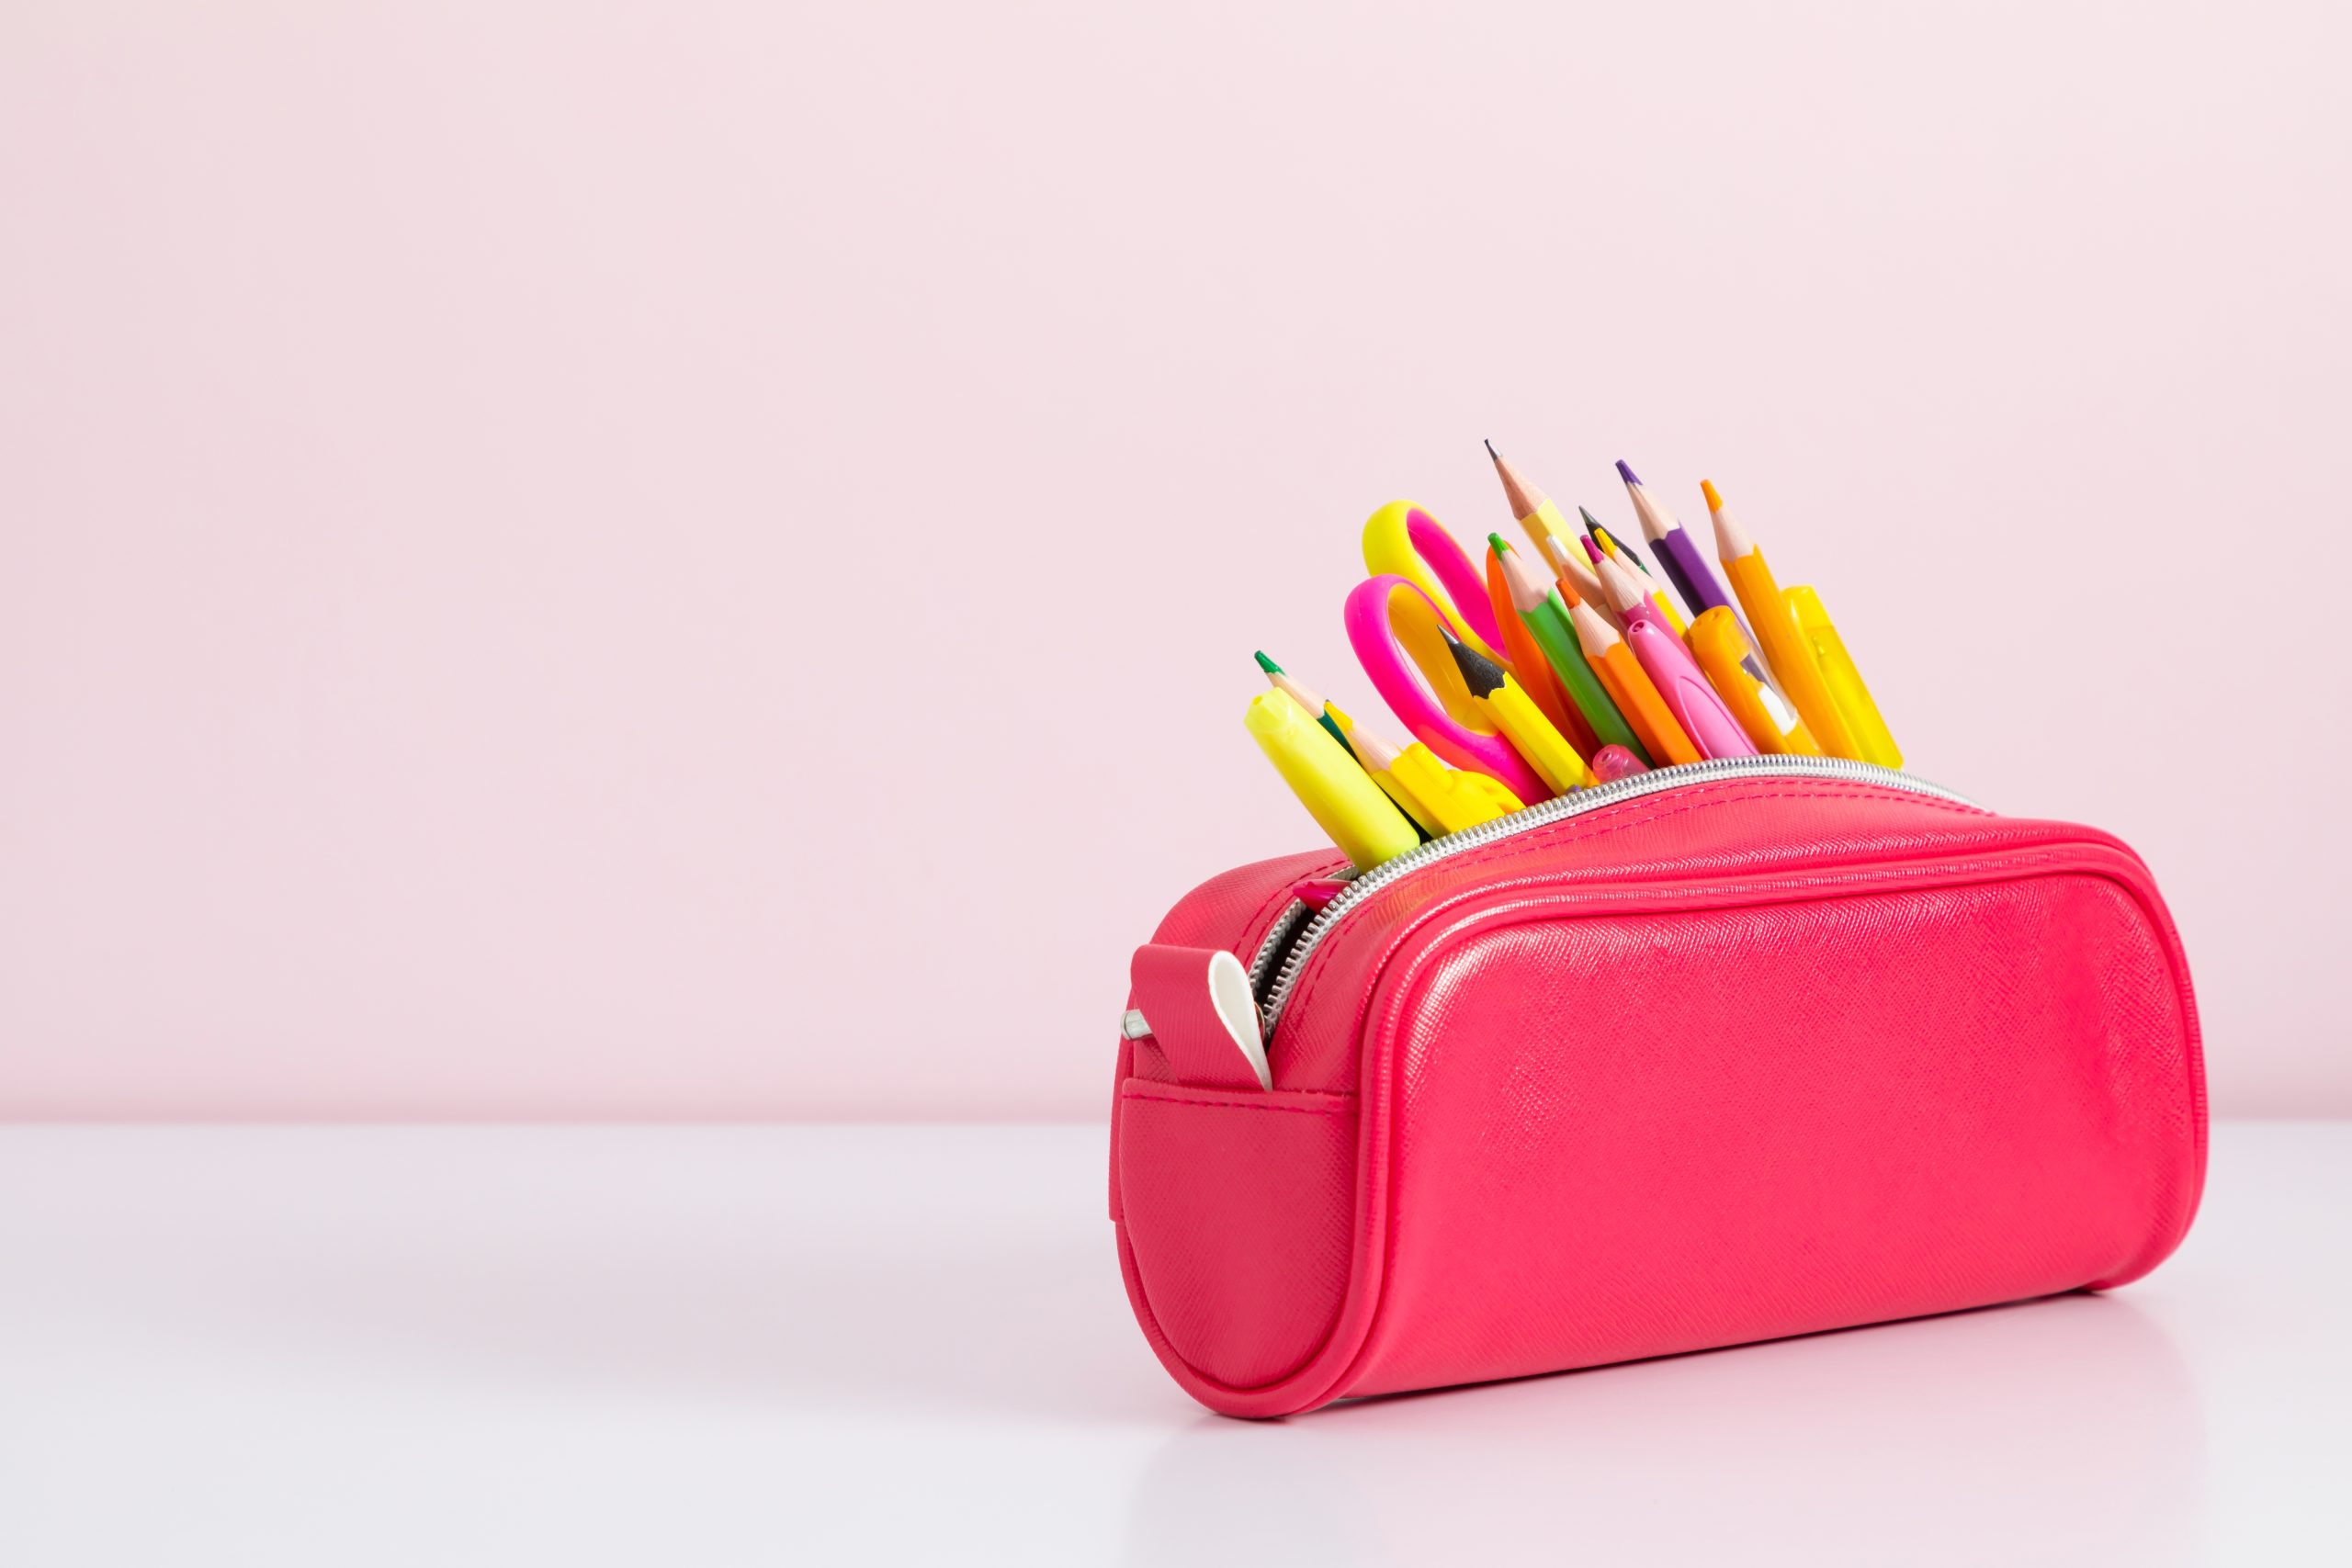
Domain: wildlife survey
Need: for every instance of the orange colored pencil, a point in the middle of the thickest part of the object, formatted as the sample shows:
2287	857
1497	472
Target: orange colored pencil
1629	687
1776	631
1526	655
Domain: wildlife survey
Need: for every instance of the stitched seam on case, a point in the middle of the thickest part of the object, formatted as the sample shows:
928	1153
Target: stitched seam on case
1588	830
1245	1105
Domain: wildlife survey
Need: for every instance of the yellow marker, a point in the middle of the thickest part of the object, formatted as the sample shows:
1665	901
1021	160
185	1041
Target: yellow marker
1776	633
1337	793
1721	647
1836	667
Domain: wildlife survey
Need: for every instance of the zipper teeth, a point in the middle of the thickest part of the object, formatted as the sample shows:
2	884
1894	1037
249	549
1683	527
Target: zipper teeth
1656	781
1285	925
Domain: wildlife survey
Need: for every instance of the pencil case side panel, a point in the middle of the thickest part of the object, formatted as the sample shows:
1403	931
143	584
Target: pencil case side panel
1234	910
1241	1196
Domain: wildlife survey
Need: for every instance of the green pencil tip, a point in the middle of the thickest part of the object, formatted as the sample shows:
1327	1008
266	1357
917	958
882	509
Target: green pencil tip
1501	544
1268	666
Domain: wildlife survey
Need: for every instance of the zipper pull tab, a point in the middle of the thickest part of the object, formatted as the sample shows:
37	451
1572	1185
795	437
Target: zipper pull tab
1194	1004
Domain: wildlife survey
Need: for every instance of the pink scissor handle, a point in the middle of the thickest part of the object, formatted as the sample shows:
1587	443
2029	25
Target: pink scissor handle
1403	686
1403	539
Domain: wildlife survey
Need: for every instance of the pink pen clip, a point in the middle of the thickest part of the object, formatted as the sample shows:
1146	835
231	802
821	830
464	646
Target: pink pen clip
1406	689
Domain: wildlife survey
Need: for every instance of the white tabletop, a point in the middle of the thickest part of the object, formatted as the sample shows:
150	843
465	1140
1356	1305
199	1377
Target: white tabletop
712	1345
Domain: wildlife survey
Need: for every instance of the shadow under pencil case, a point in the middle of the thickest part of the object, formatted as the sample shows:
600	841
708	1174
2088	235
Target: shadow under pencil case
1715	1053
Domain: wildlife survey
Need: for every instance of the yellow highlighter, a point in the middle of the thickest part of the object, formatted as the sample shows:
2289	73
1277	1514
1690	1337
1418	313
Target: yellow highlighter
1441	799
1337	793
1531	735
1721	647
1845	682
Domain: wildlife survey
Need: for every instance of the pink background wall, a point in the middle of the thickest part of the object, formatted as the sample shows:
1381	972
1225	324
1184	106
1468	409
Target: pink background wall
702	561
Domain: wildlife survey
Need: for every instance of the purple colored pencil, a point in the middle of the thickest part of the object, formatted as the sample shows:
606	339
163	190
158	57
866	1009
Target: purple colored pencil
1683	561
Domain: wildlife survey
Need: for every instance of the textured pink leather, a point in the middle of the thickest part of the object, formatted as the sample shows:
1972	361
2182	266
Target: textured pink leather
1172	986
1741	1060
1258	1182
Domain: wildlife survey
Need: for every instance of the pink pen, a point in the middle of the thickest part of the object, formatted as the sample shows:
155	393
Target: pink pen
1613	762
1673	672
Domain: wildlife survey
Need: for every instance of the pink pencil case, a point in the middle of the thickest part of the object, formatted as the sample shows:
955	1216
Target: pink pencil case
1715	1053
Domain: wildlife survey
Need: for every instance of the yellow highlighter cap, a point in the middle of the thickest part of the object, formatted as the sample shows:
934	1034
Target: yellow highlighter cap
1456	797
1855	704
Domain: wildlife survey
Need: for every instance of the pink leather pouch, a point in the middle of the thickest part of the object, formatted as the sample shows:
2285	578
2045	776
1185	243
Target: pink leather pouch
1715	1053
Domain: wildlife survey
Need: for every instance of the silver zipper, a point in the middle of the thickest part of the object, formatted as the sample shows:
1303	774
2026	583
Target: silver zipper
1576	804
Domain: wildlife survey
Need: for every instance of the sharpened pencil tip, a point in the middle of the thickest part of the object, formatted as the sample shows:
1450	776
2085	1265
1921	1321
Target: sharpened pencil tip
1268	665
1627	474
1497	457
1715	497
1499	545
1589	520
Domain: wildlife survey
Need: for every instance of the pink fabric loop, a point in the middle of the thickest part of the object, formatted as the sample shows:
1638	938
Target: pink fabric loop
1174	992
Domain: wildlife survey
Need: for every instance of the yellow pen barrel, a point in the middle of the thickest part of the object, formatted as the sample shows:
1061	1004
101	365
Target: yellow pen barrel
1855	703
1536	739
1665	602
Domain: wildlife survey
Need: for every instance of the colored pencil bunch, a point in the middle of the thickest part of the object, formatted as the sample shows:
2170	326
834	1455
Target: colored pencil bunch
1593	665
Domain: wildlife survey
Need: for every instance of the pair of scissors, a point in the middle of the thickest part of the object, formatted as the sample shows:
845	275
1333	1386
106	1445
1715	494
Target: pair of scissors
1421	581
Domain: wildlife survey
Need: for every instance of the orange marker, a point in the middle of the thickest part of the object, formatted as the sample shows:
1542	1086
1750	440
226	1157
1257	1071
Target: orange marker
1629	687
1785	646
1720	644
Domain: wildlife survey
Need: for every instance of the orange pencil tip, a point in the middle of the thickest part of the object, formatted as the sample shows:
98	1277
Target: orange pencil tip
1715	497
